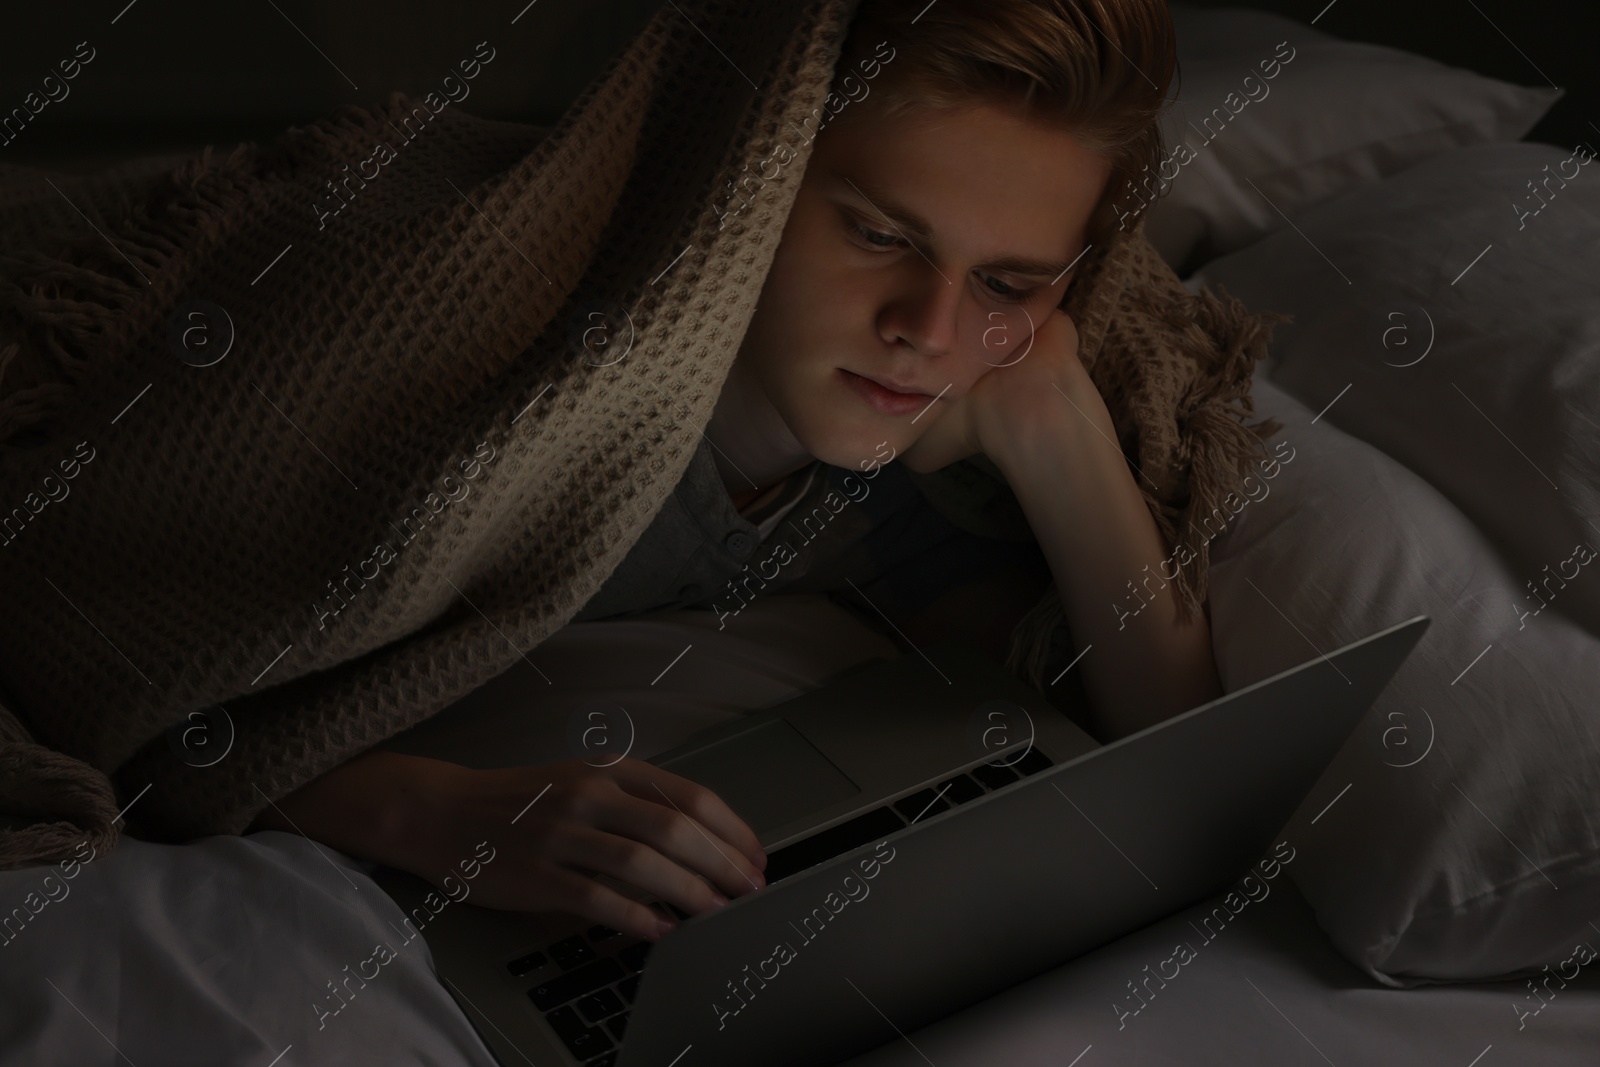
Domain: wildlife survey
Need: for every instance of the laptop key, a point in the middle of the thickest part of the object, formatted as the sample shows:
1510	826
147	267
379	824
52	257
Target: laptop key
992	776
523	964
852	833
597	1006
584	1041
565	987
608	1060
598	933
633	956
628	987
961	789
571	951
1034	762
919	806
617	1024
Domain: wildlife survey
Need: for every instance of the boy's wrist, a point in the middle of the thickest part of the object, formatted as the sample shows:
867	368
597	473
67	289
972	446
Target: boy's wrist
380	806
410	815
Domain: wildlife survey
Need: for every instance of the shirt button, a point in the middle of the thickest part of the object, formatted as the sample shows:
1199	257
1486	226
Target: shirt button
740	543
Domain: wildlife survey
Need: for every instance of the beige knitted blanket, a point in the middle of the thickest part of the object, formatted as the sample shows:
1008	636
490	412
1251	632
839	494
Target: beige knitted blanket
216	400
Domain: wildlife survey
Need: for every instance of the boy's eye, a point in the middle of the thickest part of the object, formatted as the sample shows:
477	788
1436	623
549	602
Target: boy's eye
879	239
870	236
1008	292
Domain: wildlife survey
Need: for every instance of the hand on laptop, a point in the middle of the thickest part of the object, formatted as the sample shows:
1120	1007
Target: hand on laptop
555	826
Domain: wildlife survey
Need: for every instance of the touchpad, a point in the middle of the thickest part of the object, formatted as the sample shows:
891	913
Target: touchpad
770	775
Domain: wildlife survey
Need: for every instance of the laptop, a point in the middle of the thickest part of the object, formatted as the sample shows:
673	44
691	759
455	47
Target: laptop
936	831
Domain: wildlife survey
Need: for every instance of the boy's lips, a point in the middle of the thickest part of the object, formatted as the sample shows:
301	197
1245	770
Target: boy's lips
891	385
883	399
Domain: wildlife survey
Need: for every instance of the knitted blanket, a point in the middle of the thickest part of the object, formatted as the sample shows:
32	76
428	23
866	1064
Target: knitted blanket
280	481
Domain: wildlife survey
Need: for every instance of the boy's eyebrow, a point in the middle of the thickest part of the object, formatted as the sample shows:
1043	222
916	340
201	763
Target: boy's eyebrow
884	204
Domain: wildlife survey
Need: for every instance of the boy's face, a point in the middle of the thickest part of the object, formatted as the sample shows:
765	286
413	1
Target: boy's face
924	310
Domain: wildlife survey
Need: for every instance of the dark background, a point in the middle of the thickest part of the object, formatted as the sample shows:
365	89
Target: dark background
174	75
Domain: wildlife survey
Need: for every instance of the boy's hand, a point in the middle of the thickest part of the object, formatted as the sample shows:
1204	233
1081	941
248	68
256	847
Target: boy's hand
552	829
630	821
1025	386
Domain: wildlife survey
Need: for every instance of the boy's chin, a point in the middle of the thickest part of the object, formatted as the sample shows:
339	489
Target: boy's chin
932	452
854	448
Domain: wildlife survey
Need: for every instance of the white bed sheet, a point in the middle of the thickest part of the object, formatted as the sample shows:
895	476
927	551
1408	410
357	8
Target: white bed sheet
1268	989
215	953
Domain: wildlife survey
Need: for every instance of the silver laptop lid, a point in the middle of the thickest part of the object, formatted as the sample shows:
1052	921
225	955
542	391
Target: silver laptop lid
926	919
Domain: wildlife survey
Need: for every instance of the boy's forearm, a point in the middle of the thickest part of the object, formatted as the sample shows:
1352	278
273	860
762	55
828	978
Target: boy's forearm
366	807
1097	534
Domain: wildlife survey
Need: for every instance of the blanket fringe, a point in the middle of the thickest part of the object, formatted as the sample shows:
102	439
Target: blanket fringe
77	305
328	137
68	310
52	802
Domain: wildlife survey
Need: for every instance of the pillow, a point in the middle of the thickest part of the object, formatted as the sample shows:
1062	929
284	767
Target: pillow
1456	835
1446	316
1467	330
1268	100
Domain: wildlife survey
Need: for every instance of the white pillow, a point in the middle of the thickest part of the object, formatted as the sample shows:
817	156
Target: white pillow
1503	414
1456	835
1305	117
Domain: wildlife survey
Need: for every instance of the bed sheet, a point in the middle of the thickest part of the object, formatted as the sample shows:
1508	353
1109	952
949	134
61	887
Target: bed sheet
1267	988
218	952
221	952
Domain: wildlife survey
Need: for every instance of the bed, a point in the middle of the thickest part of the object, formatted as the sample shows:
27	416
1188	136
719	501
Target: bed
1439	387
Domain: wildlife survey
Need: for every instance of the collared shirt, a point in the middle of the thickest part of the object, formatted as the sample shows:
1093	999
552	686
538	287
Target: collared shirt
869	540
767	510
694	545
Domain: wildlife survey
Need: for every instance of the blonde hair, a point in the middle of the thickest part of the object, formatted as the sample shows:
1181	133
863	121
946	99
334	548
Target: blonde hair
1099	68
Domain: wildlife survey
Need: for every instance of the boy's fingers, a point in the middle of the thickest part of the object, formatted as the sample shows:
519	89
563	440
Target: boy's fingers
636	862
649	782
585	897
682	839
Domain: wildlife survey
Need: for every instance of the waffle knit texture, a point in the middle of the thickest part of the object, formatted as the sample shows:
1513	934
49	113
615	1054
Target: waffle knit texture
404	374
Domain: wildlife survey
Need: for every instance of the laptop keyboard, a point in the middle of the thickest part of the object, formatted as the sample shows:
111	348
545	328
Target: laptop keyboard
585	984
